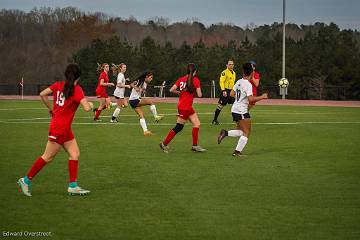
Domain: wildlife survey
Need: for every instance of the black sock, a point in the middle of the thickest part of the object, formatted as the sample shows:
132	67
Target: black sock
113	118
217	112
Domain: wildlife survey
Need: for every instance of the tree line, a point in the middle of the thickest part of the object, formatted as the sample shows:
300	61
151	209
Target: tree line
321	59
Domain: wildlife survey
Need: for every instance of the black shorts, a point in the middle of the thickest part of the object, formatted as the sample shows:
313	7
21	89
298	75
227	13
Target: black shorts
237	116
226	100
118	97
134	103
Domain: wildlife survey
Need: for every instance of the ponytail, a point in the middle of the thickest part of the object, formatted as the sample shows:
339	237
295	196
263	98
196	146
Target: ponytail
141	79
72	73
191	69
115	69
100	67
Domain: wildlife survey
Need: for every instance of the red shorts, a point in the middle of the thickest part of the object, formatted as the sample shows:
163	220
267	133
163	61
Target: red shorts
100	93
185	113
62	137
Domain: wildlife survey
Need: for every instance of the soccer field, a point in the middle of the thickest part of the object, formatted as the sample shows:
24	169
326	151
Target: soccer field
299	180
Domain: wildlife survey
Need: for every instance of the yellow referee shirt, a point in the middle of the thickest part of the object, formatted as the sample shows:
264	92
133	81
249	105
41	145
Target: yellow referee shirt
227	79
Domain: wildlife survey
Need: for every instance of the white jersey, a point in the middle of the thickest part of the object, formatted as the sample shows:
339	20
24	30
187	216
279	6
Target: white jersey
120	92
135	94
243	89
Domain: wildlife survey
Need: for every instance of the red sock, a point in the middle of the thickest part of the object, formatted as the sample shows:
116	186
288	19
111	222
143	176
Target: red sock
169	137
195	136
73	169
98	112
36	167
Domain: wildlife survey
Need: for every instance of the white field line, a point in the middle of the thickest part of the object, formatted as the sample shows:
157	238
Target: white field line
148	116
15	109
270	111
171	124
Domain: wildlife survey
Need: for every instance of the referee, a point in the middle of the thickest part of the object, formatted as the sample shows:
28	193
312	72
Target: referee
226	82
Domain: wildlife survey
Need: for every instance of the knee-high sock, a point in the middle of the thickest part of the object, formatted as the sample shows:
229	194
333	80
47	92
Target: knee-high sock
195	136
235	133
217	112
73	170
153	110
36	167
98	112
116	113
242	143
169	137
143	124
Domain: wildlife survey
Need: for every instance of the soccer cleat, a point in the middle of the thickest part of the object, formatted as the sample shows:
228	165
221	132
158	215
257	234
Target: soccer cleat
237	154
114	120
164	147
158	118
25	188
215	122
77	191
198	149
222	135
147	133
97	119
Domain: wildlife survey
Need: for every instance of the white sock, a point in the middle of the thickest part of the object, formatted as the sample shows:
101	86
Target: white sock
241	144
235	133
116	112
153	110
143	124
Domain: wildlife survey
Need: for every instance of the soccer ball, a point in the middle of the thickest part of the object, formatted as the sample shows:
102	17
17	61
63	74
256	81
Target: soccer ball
283	83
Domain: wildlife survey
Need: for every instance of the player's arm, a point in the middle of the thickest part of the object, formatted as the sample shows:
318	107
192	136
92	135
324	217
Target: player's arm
120	85
198	92
222	83
45	99
87	106
232	93
102	83
174	90
123	85
253	99
255	81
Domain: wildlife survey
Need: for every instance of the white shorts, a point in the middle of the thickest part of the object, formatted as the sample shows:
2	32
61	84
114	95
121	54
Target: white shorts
119	93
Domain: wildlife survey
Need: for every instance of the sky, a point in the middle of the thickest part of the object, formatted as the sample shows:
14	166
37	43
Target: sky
344	13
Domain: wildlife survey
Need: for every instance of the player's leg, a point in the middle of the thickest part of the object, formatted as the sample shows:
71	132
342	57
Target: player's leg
143	125
147	101
117	110
73	151
102	105
231	133
124	102
108	102
194	119
245	126
218	109
180	122
52	148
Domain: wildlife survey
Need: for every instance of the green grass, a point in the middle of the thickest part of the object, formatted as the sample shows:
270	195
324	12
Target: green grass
298	181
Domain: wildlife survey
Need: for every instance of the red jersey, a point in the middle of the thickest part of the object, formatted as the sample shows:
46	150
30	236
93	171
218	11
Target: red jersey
64	109
103	75
186	99
254	88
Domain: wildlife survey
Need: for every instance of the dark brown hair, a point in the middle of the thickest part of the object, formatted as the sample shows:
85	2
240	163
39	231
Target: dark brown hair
72	73
191	69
